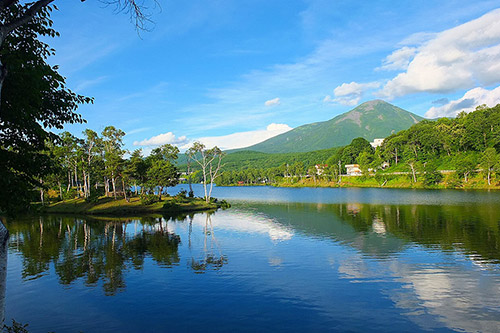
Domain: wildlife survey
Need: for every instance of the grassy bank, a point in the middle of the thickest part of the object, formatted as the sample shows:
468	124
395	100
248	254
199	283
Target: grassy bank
448	182
109	206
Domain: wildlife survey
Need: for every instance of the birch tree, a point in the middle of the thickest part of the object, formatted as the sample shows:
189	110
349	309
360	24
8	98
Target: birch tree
91	147
210	161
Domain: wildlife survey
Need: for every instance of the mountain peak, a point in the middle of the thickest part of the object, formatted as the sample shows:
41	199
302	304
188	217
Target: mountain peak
370	105
370	120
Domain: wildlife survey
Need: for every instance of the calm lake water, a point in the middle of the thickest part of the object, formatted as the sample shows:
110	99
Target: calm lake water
280	259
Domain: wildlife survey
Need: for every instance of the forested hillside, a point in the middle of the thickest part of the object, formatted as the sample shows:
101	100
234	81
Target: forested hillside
370	120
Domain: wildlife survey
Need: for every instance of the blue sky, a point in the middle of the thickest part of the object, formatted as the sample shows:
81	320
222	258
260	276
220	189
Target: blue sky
233	73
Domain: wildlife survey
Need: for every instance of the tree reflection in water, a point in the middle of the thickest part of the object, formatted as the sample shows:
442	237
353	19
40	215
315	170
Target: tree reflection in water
92	250
212	257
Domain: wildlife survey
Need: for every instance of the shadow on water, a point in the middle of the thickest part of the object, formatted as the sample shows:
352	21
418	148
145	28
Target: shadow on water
102	249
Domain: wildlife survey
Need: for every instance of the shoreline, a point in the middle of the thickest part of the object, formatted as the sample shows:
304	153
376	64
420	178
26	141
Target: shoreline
120	207
398	183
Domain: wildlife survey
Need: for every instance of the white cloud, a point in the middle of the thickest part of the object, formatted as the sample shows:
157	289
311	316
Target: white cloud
243	139
399	59
273	102
458	58
467	103
350	93
162	139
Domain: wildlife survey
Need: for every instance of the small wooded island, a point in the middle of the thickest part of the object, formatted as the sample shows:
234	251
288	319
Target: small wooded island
109	206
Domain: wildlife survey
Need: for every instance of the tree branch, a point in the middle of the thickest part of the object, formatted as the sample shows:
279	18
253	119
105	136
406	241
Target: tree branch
26	17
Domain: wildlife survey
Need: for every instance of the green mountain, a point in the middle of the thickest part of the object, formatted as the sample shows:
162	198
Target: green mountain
370	120
248	159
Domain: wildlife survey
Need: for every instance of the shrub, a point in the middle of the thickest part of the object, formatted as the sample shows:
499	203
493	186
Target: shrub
71	194
93	197
149	199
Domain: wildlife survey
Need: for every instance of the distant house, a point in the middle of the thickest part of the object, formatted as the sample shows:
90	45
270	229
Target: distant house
353	169
376	143
320	168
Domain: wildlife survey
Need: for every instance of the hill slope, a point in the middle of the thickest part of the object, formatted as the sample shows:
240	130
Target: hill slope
370	120
248	159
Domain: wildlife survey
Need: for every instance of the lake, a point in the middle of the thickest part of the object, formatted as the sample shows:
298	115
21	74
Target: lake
280	259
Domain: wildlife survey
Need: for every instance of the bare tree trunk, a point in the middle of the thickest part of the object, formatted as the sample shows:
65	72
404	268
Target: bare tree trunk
85	184
106	186
189	177
213	176
76	180
41	191
88	183
412	166
60	190
205	184
340	172
113	182
124	191
159	192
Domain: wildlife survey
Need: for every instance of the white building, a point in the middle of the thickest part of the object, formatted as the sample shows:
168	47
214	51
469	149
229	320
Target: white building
377	142
353	169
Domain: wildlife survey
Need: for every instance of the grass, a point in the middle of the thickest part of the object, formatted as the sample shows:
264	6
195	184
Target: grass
449	181
109	206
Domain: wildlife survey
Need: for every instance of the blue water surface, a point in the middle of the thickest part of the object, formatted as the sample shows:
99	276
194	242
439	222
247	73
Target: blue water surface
280	259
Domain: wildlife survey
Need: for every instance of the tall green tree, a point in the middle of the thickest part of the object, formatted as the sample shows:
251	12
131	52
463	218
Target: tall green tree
465	165
112	139
489	160
34	100
136	169
163	174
